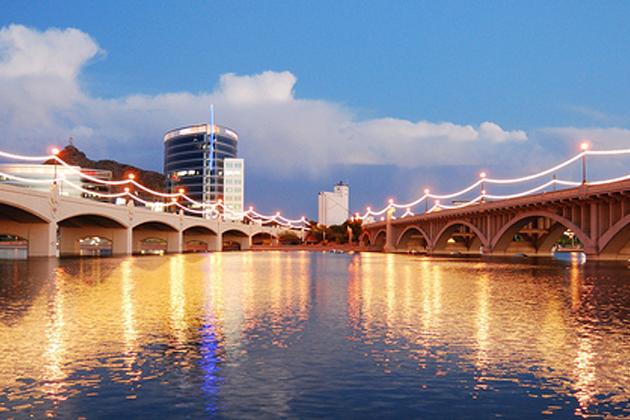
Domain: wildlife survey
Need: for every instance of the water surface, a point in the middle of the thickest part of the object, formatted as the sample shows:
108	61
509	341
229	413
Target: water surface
302	335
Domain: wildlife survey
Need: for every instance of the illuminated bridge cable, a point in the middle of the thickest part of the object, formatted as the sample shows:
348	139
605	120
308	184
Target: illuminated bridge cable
213	207
392	205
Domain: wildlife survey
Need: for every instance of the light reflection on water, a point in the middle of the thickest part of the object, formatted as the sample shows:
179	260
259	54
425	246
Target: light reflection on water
299	334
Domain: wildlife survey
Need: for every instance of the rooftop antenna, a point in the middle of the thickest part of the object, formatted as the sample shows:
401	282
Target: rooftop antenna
208	152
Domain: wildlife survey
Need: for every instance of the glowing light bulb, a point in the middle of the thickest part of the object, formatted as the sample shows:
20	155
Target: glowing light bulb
483	192
482	175
584	146
427	191
55	151
131	176
182	191
391	201
126	189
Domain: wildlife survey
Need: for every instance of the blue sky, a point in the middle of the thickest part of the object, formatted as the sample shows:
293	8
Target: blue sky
546	73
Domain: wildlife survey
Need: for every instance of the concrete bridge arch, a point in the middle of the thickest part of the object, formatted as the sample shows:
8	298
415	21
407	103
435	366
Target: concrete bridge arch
502	240
615	242
413	238
472	237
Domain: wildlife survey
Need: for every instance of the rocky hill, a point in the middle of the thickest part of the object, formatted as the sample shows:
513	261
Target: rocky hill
74	156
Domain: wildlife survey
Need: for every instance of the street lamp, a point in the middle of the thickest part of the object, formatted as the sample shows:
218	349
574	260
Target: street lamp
55	151
426	199
584	146
483	175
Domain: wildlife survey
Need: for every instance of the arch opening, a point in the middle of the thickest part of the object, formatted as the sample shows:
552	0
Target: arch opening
263	238
13	247
364	240
199	239
24	233
155	238
537	234
95	246
91	235
380	240
412	240
459	238
153	246
235	240
617	247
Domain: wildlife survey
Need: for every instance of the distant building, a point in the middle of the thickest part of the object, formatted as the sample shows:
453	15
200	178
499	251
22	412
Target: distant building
38	174
333	207
195	151
233	187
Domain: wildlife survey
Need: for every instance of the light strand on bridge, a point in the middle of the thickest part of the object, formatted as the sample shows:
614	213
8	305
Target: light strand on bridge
485	180
212	207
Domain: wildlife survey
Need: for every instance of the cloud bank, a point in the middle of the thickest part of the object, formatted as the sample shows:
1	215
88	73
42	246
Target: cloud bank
43	102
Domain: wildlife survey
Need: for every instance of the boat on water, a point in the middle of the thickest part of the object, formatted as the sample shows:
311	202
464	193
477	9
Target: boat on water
573	255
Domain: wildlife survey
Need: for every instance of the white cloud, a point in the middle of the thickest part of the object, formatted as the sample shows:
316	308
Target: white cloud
42	102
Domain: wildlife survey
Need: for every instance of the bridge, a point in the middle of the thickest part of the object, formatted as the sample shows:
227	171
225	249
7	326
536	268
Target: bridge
598	215
52	224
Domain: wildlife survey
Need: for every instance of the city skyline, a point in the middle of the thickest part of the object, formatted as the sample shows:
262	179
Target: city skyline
427	106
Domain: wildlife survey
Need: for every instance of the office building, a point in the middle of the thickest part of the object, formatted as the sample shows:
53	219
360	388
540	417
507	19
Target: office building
333	207
194	160
233	188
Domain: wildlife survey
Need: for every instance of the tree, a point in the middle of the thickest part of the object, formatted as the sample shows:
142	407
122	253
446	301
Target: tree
289	238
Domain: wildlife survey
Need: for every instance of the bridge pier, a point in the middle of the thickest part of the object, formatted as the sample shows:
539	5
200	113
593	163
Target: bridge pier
389	234
218	242
122	242
175	242
42	240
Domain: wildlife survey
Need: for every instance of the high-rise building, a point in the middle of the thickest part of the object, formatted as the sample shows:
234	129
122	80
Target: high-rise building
194	160
333	207
233	187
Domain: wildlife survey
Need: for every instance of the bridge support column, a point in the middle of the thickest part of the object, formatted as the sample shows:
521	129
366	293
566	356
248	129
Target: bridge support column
42	241
175	242
122	241
218	243
389	234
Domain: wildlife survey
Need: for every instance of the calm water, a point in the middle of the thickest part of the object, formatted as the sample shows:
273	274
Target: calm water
304	335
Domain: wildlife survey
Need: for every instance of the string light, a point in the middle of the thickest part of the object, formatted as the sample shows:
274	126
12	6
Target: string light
483	179
253	215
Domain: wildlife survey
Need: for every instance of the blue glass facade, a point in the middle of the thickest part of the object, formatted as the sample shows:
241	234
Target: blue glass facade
184	155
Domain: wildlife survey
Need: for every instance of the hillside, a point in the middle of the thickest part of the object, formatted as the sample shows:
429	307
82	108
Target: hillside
74	156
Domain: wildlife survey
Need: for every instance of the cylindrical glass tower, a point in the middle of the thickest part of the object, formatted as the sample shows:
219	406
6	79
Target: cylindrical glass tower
185	151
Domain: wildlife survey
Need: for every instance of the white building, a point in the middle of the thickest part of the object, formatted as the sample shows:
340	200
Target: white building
233	187
39	177
333	207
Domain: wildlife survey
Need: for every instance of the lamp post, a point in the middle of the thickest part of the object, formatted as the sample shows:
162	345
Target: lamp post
426	199
584	146
55	151
483	186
